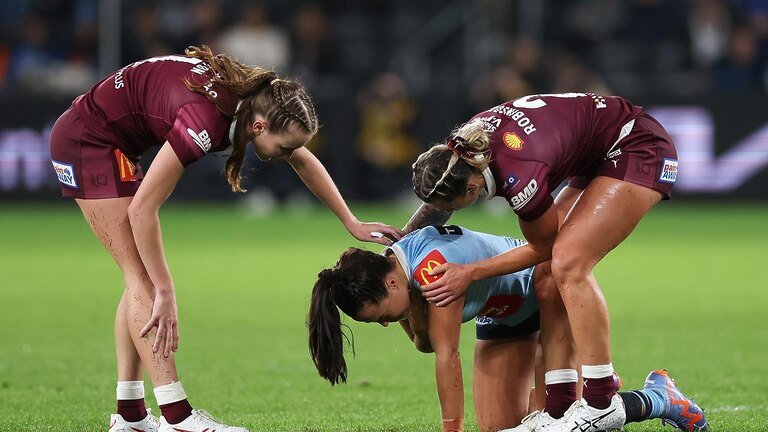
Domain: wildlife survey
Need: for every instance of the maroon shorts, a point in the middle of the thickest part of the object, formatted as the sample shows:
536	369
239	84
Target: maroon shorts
645	157
87	165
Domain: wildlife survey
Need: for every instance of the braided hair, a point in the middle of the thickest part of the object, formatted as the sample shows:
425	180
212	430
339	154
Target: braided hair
442	172
282	102
356	279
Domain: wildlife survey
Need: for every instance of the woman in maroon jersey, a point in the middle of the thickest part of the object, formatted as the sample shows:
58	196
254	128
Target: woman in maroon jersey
189	106
619	162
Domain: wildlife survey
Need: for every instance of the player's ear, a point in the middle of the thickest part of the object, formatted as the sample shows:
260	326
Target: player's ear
259	126
471	188
390	282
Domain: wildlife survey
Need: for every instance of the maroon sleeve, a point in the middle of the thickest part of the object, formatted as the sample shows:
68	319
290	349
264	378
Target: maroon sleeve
527	189
197	128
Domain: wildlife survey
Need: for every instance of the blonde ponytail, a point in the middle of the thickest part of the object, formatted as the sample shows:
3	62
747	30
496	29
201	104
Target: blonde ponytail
442	172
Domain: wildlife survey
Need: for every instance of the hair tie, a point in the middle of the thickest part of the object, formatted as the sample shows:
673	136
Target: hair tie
458	146
274	81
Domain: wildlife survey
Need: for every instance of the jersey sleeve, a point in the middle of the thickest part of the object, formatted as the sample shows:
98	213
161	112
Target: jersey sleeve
526	189
197	128
435	254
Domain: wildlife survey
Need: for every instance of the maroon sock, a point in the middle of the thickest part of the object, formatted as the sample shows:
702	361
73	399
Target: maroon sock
559	398
176	412
132	410
599	391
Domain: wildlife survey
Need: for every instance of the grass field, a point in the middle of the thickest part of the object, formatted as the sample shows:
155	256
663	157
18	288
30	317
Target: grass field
687	292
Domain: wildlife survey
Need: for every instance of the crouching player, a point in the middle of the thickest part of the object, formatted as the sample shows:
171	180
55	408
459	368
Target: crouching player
384	288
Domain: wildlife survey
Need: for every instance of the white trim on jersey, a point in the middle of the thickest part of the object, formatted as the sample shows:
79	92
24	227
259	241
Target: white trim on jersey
400	255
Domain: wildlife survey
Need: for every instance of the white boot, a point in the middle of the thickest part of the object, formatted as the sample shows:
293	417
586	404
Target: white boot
150	423
533	422
584	418
199	421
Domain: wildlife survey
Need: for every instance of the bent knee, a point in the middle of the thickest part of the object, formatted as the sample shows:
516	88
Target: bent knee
138	281
544	285
569	267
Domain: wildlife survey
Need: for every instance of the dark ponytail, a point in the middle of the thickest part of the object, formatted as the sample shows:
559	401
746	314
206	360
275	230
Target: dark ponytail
356	279
326	343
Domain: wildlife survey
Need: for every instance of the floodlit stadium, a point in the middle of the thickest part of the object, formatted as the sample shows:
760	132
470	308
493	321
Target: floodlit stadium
367	87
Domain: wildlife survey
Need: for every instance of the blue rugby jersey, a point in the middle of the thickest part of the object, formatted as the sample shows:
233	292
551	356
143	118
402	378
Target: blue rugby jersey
507	299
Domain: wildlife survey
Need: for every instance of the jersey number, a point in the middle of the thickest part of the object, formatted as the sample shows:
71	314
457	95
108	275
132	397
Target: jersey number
448	229
533	101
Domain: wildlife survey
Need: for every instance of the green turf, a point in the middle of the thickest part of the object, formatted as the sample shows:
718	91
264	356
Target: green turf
687	292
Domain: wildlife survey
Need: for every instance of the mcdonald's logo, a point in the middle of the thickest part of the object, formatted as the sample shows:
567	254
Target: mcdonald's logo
126	168
432	260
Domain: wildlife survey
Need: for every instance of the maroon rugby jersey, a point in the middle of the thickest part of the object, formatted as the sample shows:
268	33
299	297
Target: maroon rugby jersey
147	103
539	141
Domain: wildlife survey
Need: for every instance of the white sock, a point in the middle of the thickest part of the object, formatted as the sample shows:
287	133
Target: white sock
170	393
130	390
560	376
597	371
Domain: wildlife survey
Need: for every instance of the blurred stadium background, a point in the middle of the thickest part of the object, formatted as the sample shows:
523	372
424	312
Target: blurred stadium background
390	77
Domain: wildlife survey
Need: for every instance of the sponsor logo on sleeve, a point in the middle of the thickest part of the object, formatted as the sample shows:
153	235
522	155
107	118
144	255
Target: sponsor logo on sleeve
502	306
432	260
513	141
524	196
668	171
510	181
202	139
65	174
126	168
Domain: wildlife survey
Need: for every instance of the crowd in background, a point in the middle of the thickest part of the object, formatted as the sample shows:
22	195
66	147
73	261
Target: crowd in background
679	46
386	57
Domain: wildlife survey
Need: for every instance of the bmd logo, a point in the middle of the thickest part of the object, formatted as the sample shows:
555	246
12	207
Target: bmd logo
521	199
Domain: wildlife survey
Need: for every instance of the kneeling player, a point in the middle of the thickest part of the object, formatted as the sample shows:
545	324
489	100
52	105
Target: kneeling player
370	287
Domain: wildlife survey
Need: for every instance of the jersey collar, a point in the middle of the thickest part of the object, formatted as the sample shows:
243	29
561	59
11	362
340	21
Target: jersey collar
400	255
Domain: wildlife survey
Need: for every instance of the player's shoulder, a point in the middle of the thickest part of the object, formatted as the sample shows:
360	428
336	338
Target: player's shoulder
415	236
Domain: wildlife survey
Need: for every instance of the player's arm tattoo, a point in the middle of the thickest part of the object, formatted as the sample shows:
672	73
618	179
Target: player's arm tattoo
427	215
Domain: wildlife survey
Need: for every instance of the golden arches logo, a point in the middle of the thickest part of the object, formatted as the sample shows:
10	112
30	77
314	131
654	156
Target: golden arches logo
432	260
127	169
424	271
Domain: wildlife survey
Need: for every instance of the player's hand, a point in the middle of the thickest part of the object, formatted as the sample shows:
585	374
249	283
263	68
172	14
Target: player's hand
375	232
454	282
166	318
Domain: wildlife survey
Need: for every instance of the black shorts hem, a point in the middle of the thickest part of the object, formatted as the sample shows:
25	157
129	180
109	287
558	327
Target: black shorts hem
500	331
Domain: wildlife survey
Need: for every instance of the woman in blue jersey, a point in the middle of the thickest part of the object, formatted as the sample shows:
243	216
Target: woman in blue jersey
371	287
384	288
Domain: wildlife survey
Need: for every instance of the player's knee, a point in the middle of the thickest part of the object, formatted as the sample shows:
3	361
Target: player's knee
139	282
569	269
544	284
